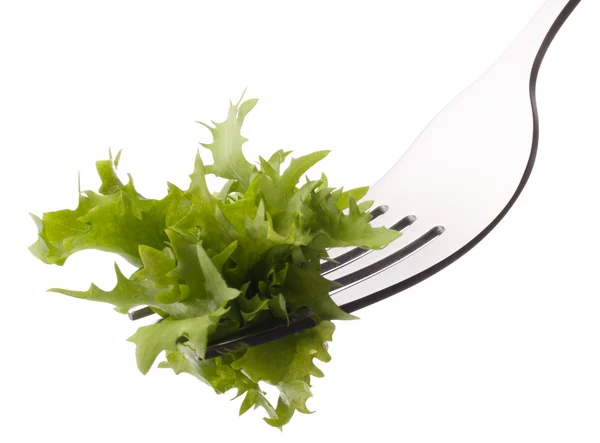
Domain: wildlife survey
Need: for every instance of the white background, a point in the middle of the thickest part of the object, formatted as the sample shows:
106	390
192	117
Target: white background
502	346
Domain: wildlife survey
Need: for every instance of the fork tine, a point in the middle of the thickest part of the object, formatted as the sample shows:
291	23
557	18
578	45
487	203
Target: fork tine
353	254
390	260
140	313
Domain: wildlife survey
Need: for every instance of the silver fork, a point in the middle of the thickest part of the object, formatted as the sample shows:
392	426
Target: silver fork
450	189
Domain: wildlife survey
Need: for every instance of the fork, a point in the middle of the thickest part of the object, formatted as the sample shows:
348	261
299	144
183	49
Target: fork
460	178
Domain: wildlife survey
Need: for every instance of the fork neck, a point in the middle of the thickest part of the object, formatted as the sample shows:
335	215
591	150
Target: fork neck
533	42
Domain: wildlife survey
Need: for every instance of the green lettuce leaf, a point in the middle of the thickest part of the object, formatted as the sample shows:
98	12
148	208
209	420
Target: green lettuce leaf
288	364
214	264
118	221
164	336
229	161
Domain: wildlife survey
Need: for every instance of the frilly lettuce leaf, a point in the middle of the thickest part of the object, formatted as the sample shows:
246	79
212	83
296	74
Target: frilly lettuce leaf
151	340
288	364
229	161
116	220
212	264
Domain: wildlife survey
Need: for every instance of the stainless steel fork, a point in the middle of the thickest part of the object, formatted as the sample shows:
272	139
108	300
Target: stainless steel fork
457	181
